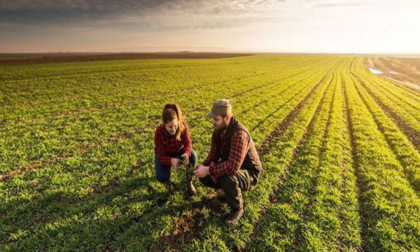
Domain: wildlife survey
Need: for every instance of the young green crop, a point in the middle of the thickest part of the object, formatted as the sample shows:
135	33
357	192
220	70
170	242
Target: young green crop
389	205
77	155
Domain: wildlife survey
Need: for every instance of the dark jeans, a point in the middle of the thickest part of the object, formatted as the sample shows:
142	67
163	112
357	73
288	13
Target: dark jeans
163	172
233	185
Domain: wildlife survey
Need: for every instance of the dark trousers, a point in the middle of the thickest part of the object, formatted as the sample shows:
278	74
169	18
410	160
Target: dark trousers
233	185
163	172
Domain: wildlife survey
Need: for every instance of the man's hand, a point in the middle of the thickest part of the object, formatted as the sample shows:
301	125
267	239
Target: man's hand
201	171
185	159
174	163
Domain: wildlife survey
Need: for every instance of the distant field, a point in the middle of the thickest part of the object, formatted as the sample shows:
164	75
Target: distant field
339	145
39	58
19	56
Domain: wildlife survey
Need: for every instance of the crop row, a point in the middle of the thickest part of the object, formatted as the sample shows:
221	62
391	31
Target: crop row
401	109
46	138
338	173
407	155
399	97
313	208
389	206
42	97
89	184
274	168
188	108
104	123
150	234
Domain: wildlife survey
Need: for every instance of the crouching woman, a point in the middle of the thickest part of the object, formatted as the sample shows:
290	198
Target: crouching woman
173	146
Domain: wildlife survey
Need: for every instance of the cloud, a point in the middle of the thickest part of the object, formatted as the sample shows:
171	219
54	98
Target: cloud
81	11
61	11
340	4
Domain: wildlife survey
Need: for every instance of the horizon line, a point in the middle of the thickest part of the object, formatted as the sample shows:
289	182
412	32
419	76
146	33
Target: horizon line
204	51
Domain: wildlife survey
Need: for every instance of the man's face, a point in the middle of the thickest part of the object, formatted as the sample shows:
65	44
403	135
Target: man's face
219	123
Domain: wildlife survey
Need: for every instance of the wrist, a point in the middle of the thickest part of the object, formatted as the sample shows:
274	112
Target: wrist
211	166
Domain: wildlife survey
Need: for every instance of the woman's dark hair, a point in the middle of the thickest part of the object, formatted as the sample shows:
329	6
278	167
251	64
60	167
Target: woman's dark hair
170	112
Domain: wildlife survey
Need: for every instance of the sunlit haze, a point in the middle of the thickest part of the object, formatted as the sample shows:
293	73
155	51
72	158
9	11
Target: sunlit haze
304	26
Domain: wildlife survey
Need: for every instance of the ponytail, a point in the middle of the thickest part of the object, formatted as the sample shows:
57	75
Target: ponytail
170	112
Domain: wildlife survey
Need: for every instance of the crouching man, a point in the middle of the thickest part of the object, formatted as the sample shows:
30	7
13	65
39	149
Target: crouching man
233	163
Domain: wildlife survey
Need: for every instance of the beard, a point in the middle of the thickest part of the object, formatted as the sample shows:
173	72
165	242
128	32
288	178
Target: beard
222	127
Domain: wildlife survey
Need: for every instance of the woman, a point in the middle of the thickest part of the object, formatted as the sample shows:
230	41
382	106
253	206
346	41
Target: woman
173	146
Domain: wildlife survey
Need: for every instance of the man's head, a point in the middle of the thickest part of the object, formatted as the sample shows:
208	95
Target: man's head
221	113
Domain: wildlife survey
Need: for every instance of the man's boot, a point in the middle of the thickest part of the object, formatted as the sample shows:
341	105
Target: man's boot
190	187
234	216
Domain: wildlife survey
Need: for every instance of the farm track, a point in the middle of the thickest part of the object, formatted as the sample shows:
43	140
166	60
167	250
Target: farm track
407	75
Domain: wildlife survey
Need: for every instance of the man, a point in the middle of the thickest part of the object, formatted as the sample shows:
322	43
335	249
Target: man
233	163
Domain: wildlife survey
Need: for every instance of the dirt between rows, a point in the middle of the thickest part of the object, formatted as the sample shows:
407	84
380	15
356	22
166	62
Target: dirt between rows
80	57
408	131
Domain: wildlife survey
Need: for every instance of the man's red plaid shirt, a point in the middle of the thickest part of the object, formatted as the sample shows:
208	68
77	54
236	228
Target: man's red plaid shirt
238	150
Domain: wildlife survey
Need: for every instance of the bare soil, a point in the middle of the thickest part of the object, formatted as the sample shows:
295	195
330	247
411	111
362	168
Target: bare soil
405	71
188	227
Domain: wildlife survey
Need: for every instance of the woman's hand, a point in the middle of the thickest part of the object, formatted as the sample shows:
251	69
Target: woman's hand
174	163
185	159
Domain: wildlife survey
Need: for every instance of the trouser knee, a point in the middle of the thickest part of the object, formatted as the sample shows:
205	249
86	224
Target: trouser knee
163	172
207	181
233	193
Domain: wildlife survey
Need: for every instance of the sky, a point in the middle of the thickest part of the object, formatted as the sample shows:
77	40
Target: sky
295	26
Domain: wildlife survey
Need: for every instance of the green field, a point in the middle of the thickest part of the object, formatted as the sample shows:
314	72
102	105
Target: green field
339	146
